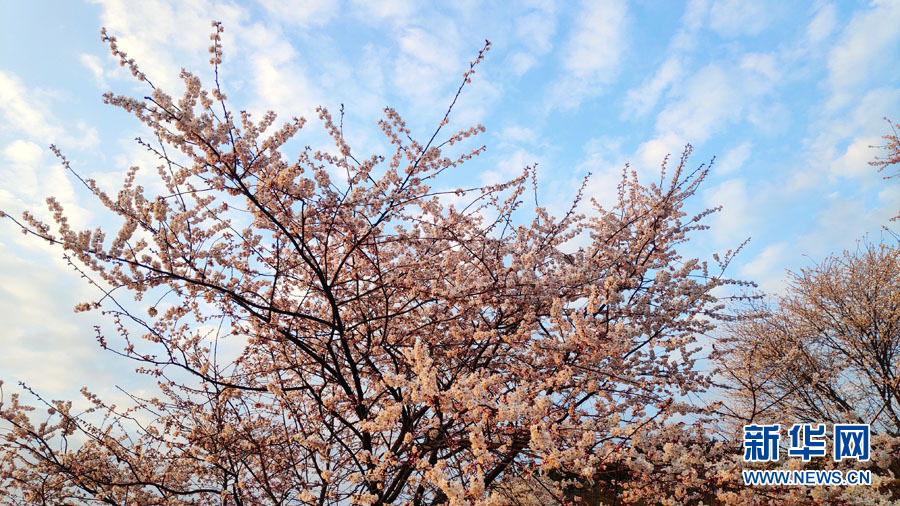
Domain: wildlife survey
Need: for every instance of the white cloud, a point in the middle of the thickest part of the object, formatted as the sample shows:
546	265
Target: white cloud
278	77
839	147
710	99
164	36
734	159
89	138
302	12
475	102
864	50
23	152
769	118
516	133
521	62
603	186
763	66
428	61
685	39
889	197
694	14
282	86
21	108
26	112
536	30
732	224
605	161
767	268
732	18
872	107
153	32
595	49
92	63
822	25
425	47
30	179
34	181
509	167
718	95
854	162
841	222
593	54
640	101
650	154
399	10
43	345
417	81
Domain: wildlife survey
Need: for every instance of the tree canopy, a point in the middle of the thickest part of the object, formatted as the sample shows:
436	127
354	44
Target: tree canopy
398	343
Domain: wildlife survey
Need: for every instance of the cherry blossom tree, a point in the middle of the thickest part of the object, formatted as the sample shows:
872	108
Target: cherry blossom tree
824	351
827	351
891	156
891	147
397	343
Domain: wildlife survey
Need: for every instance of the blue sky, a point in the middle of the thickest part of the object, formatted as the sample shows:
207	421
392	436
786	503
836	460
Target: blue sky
787	95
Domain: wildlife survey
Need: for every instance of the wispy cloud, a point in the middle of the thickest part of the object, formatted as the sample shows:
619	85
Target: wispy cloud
639	101
534	31
593	55
732	18
93	64
395	10
709	99
822	25
302	12
734	159
863	51
23	111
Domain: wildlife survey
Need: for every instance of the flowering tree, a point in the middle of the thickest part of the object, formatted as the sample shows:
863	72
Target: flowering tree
828	352
891	157
892	148
394	348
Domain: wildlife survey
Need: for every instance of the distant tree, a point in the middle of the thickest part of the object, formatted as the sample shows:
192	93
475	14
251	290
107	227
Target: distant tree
891	157
396	348
892	148
827	351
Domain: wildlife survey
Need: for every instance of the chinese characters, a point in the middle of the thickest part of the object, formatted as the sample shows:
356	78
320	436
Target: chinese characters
851	441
